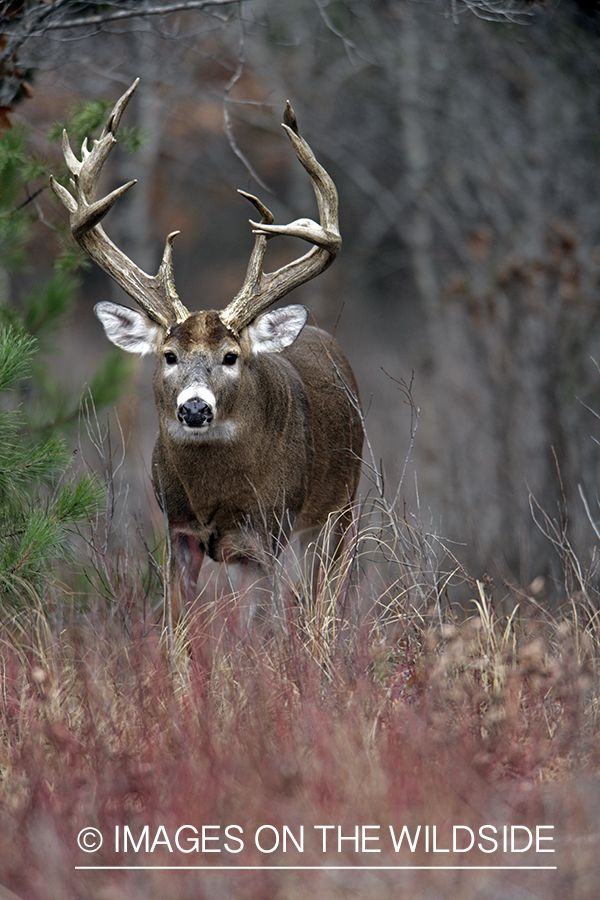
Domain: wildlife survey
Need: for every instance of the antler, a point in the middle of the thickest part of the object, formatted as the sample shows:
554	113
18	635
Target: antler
261	290
155	294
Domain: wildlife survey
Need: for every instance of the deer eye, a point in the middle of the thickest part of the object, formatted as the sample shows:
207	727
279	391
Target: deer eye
230	359
170	358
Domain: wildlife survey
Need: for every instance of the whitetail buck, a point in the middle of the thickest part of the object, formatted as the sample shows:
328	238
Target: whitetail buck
260	432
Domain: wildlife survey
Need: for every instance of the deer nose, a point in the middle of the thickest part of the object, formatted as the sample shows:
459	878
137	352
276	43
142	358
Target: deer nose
195	413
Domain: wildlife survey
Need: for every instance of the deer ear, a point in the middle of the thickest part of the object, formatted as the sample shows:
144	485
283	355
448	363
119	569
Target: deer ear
128	329
275	330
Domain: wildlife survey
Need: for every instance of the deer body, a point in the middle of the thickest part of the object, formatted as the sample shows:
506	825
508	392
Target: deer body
260	430
276	467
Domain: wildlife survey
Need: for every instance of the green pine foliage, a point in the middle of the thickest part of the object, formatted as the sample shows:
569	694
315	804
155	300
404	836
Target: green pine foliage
13	220
44	309
43	500
41	503
87	118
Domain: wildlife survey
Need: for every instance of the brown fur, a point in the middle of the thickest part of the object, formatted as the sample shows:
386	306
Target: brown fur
294	459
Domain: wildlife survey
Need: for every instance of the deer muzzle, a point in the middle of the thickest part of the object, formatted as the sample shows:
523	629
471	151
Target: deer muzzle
195	412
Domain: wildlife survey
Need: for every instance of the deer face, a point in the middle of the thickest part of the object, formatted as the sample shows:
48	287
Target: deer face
197	377
202	368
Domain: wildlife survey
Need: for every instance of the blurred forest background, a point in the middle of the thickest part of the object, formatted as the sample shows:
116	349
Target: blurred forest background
464	142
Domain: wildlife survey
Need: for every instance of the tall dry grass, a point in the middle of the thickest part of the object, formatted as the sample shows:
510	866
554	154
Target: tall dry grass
377	704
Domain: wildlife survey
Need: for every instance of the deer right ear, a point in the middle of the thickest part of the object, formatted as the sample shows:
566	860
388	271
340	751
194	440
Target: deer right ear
275	330
128	329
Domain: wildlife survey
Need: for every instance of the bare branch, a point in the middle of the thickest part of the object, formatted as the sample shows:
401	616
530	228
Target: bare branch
227	119
588	511
133	12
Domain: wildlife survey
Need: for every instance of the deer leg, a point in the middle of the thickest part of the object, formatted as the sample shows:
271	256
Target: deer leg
322	557
185	561
308	565
258	597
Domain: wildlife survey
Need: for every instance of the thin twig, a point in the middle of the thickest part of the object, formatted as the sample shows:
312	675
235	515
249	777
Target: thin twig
142	11
587	511
227	118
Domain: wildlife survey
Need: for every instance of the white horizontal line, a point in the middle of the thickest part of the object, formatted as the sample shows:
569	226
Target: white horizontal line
319	868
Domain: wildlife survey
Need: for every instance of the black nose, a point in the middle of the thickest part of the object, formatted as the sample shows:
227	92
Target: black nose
195	413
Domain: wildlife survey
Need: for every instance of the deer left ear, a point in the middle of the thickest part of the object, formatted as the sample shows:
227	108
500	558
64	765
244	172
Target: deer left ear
275	330
128	329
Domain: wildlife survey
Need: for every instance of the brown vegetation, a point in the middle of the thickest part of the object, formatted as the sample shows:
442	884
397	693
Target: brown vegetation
380	707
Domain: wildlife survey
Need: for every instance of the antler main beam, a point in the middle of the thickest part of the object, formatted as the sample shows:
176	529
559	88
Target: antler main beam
260	290
154	294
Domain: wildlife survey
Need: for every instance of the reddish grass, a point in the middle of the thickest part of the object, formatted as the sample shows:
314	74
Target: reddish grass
482	721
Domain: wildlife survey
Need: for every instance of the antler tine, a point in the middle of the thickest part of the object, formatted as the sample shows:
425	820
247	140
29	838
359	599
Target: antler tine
235	315
260	290
154	294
